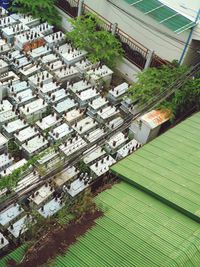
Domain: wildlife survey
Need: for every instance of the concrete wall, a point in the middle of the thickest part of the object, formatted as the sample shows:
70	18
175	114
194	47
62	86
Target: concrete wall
193	53
168	48
65	20
129	70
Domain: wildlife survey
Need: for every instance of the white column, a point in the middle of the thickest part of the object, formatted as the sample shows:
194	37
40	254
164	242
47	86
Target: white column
80	7
149	59
114	28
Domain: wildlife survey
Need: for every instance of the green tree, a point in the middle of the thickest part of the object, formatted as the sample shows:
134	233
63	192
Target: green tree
42	9
153	82
11	180
101	45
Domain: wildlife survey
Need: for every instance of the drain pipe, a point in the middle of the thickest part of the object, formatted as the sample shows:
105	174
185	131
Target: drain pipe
189	38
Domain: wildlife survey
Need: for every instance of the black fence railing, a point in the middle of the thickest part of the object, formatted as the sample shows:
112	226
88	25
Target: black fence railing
134	51
157	62
69	7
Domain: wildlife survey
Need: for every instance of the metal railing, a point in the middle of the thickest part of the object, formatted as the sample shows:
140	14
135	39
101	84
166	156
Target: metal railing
158	62
70	7
105	24
134	51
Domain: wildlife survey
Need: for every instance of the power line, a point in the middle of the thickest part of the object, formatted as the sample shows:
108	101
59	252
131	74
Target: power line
159	98
144	34
143	22
173	23
175	86
148	27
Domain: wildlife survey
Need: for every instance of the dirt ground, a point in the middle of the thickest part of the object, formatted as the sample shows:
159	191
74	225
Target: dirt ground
57	241
117	79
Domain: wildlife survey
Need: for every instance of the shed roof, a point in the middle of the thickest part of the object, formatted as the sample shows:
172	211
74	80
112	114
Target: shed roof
168	167
155	118
137	231
15	255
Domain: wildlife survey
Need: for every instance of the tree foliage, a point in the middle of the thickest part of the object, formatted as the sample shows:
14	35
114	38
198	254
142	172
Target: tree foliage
42	9
83	204
11	180
101	45
63	216
153	82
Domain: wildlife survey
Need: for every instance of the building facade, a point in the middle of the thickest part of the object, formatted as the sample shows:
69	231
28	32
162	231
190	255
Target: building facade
153	26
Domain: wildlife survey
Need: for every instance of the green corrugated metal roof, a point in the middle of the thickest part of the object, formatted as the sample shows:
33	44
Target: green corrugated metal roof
15	255
163	14
169	167
137	231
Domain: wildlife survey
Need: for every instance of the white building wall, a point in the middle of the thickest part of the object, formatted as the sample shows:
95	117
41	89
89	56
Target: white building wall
168	48
129	70
65	24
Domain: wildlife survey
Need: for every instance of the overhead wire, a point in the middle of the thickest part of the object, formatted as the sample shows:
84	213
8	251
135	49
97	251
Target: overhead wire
148	26
197	56
173	23
154	41
159	98
151	27
151	104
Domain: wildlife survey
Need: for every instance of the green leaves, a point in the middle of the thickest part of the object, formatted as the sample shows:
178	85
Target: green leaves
11	180
153	82
42	9
101	45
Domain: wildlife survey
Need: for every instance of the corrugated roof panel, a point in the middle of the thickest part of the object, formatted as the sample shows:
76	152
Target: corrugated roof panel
15	255
147	5
178	23
168	167
163	14
136	231
131	1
